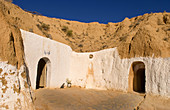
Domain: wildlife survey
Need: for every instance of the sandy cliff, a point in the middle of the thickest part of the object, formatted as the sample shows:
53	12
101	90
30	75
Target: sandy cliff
146	35
142	36
14	86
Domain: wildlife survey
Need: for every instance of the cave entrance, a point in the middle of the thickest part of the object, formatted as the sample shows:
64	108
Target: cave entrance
43	72
137	77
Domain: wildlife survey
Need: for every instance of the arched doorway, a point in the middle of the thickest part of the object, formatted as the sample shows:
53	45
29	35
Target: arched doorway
137	77
43	73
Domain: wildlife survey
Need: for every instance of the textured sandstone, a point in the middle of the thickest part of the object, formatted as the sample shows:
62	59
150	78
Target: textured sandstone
144	38
136	37
13	94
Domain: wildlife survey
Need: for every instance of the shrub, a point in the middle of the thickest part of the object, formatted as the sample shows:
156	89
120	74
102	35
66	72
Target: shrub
30	30
123	38
46	27
43	26
49	36
64	29
69	33
67	22
80	45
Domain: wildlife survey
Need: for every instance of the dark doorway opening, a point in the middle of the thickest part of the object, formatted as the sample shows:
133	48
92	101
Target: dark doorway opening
41	81
137	77
139	81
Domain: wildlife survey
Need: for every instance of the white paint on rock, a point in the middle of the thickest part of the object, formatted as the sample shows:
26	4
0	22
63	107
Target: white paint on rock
104	71
13	94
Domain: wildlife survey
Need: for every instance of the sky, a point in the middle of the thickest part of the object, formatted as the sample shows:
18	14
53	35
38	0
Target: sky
102	11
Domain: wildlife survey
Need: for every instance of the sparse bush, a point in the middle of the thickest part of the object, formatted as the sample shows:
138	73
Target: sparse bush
137	23
123	38
33	12
130	26
38	25
80	45
164	11
69	33
30	30
49	36
67	22
105	46
134	25
46	27
64	29
43	27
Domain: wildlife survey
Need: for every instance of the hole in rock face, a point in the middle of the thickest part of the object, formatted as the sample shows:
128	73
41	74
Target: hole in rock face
8	12
91	56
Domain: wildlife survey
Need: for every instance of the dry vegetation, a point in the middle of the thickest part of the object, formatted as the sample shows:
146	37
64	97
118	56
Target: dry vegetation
145	35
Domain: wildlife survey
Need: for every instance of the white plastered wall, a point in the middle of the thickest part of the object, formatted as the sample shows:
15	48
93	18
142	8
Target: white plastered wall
111	72
104	71
37	47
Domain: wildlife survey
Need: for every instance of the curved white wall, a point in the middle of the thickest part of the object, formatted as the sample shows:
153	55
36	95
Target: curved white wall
37	47
111	72
104	71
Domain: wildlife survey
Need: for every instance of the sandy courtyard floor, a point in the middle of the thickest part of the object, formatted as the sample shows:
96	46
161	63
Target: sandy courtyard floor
88	99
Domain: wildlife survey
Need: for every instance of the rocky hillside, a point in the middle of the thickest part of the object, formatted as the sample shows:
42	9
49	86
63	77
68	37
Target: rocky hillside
11	48
15	90
146	35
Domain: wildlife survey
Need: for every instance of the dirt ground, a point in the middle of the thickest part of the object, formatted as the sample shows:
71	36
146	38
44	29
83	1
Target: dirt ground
88	99
85	99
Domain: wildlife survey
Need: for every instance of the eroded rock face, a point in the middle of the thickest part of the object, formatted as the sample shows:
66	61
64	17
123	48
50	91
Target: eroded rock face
141	36
11	48
15	90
